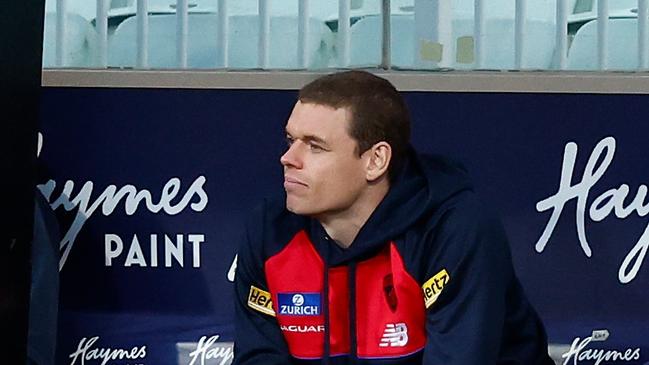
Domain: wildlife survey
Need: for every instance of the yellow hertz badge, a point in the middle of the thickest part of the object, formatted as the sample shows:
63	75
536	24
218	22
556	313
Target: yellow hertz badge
260	300
434	286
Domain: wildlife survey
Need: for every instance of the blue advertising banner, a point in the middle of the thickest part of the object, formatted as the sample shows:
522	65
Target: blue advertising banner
150	187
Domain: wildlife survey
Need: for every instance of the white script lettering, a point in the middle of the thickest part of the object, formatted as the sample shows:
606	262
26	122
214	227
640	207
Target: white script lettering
85	351
205	352
578	352
233	269
195	197
611	201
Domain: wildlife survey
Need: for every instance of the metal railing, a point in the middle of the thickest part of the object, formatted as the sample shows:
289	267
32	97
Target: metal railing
433	22
561	53
142	42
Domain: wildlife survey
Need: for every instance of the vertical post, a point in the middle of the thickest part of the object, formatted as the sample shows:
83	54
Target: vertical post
182	20
142	34
434	33
519	35
479	32
561	53
222	36
101	24
643	35
344	39
303	34
386	46
264	33
602	34
61	22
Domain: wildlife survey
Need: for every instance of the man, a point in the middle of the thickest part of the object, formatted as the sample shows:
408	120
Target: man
376	254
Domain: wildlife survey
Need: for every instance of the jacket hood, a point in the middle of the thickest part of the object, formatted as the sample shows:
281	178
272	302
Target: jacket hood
424	183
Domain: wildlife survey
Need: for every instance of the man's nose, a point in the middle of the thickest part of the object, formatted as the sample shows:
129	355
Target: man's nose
291	158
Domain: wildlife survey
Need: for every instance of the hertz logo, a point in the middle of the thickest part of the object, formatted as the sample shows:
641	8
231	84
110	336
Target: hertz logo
434	286
260	300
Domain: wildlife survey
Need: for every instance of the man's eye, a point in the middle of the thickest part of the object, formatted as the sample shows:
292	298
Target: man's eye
289	141
315	147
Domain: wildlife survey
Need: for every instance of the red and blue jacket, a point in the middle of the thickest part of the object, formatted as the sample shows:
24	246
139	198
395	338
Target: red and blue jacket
428	280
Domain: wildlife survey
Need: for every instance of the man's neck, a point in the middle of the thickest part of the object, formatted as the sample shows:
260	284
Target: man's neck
343	227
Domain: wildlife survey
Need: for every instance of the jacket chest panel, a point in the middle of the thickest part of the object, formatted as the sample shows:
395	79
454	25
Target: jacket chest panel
390	315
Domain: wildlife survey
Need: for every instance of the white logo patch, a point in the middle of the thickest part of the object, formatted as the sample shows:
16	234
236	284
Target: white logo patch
298	300
394	335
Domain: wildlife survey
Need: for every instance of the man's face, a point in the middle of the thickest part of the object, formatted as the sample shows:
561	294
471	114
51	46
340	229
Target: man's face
323	174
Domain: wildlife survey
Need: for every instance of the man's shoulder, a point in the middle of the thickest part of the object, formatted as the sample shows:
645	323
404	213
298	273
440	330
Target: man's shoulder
464	209
469	210
460	224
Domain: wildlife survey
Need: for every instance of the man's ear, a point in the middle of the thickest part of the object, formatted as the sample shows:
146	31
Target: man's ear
378	160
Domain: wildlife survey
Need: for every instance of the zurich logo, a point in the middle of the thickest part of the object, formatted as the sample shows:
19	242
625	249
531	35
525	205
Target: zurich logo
298	300
299	304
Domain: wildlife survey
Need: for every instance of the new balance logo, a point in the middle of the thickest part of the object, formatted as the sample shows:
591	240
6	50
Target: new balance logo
394	335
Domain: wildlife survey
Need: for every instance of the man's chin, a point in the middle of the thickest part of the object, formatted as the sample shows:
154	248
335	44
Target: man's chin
293	209
298	209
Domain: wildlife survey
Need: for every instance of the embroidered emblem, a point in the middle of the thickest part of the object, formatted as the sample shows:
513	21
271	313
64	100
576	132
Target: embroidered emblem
260	300
434	286
394	335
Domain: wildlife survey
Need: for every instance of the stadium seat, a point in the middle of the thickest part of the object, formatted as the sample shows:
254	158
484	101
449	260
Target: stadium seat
202	42
499	42
78	40
622	46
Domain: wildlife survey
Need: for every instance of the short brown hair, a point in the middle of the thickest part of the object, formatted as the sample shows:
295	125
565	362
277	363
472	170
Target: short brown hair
379	113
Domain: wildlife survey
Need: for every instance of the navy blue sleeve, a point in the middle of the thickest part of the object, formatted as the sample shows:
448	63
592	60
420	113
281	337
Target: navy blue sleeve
472	264
258	338
43	311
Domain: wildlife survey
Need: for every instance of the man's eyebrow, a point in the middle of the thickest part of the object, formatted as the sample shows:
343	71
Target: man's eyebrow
308	138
